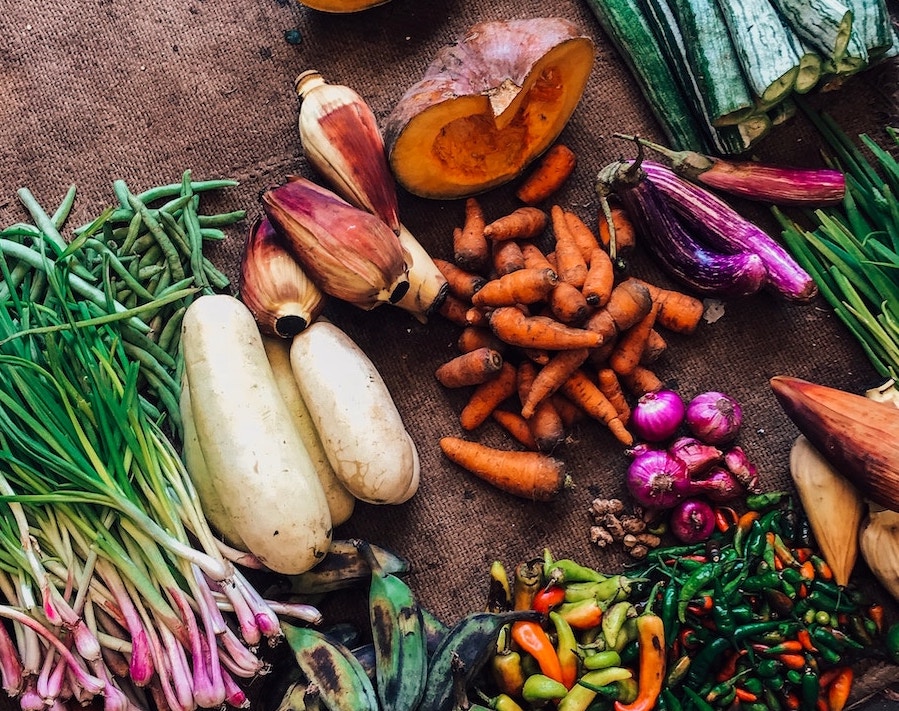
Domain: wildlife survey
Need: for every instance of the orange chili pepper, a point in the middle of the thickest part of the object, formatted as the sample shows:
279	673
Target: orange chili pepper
745	695
792	700
876	614
582	614
807	570
839	688
725	518
822	567
651	664
802	554
805	639
792	660
566	649
532	638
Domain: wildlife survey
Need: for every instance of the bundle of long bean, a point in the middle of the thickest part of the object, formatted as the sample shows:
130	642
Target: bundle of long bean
852	250
143	257
109	573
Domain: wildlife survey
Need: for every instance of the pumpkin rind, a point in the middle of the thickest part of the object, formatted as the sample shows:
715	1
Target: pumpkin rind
487	106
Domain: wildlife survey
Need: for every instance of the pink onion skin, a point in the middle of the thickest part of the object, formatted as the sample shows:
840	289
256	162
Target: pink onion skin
720	486
692	521
714	417
738	464
697	455
656	416
656	479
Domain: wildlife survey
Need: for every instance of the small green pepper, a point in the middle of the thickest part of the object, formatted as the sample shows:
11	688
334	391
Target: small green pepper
539	688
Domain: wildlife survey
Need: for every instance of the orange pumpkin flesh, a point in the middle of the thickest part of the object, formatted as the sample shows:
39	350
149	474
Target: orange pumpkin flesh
487	106
342	6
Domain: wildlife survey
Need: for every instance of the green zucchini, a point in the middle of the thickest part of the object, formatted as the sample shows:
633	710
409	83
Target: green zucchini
763	48
825	24
628	29
661	18
871	20
713	59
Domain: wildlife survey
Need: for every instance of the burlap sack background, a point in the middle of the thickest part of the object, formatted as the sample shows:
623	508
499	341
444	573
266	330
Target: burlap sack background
105	89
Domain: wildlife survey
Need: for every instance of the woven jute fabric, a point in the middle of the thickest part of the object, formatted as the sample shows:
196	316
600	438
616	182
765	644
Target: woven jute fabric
104	90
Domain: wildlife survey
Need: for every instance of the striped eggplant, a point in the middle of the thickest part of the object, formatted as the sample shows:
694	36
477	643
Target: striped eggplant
717	224
698	267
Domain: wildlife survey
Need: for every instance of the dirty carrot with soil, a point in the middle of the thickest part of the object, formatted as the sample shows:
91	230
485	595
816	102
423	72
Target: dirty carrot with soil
487	397
530	475
678	312
600	279
518	427
522	286
568	304
516	328
629	302
628	351
534	257
587	395
472	368
551	376
581	234
551	172
622	226
471	250
506	256
570	263
461	282
474	337
610	386
522	224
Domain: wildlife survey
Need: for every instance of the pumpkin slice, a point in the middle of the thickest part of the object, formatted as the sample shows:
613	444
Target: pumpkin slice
487	106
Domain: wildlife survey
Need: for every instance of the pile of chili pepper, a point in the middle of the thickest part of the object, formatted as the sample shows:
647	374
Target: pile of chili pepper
749	620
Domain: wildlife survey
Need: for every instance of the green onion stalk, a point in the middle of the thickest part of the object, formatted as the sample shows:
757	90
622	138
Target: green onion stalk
111	581
852	249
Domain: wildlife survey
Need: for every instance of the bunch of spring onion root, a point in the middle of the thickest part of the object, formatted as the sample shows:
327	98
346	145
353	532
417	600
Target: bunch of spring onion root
852	249
112	586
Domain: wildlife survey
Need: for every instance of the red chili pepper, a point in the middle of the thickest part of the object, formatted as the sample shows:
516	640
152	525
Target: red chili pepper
792	700
688	638
789	646
876	613
805	639
532	638
729	668
725	518
548	598
651	664
802	554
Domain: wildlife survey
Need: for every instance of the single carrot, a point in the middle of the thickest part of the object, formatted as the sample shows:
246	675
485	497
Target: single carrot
523	286
530	475
506	256
656	345
572	267
642	380
527	372
517	426
471	249
523	223
631	344
474	337
610	386
453	309
551	376
488	396
552	170
461	282
570	413
585	393
600	279
568	304
547	426
623	226
540	356
582	235
472	368
678	312
629	302
516	328
534	258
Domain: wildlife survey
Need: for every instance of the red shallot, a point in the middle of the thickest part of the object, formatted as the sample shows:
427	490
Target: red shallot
738	464
692	521
720	486
697	455
657	415
714	417
657	479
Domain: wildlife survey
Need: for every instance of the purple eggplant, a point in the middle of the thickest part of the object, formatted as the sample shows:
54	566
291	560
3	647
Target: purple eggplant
717	224
710	273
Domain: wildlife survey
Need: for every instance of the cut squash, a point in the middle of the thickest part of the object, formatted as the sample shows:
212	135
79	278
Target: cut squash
487	106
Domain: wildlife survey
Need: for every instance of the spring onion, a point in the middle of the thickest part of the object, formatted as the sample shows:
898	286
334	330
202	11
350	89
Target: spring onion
852	249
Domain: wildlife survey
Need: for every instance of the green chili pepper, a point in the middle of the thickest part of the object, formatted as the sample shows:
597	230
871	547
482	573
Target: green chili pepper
539	687
699	667
566	570
602	660
697	580
612	623
810	687
699	703
762	582
767	668
672	702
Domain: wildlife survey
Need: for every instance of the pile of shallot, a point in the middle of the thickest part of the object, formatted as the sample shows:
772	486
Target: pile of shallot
687	476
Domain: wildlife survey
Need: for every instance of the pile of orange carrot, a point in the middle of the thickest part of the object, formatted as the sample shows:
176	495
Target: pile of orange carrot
550	337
